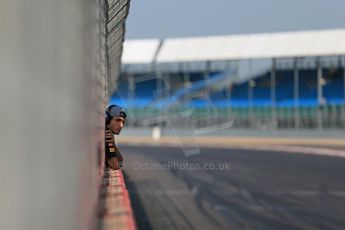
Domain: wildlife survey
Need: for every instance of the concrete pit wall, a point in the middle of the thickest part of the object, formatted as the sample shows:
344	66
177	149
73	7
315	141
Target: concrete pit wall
54	70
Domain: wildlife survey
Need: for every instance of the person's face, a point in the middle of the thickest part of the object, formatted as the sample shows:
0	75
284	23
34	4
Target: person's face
116	124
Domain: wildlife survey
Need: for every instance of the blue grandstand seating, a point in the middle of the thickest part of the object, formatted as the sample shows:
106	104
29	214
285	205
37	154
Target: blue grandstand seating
333	91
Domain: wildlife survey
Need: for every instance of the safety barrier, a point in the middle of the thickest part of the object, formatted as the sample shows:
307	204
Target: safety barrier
115	211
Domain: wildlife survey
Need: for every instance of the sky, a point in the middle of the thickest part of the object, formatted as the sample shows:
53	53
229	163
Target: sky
187	18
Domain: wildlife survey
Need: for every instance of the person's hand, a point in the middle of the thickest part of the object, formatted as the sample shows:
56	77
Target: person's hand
109	138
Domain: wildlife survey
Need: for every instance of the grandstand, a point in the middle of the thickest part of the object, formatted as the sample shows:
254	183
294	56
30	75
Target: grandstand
261	81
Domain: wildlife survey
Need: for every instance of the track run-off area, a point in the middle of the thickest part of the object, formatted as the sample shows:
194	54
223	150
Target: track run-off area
247	187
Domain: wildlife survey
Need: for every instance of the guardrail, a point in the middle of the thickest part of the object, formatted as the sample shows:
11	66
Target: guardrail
115	211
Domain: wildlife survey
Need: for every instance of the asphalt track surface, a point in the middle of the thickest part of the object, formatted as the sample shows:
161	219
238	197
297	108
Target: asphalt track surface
234	189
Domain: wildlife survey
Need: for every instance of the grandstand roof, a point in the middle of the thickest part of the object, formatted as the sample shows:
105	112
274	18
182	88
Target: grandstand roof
236	47
141	51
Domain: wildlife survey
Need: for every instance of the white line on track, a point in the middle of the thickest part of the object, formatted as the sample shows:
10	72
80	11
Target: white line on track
274	148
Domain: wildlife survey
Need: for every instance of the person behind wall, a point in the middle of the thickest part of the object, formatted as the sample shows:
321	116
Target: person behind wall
115	118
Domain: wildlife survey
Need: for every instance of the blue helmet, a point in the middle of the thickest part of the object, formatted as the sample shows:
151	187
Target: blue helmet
114	111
